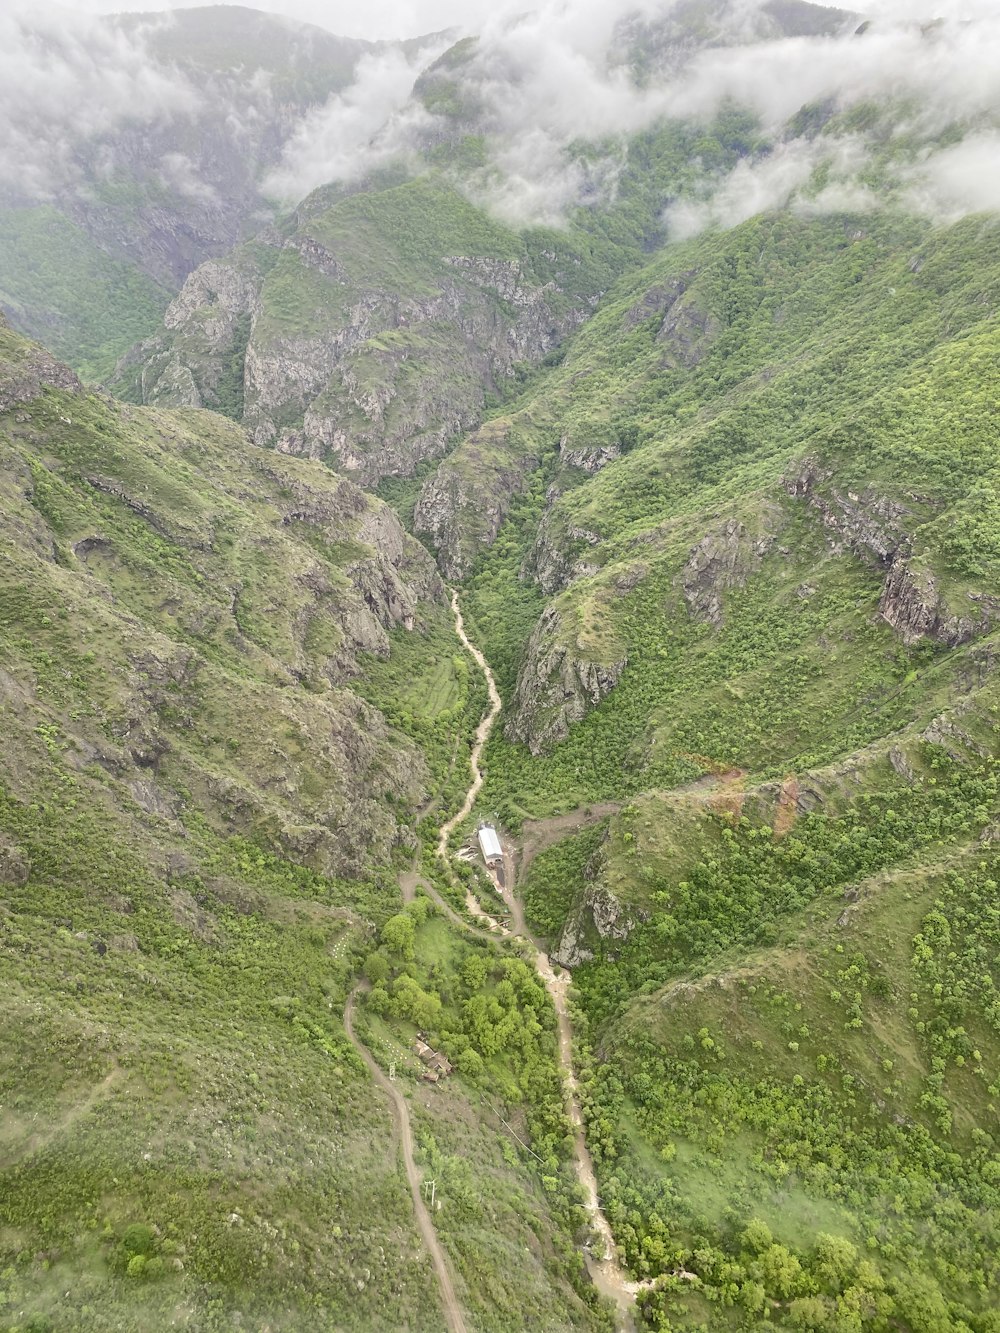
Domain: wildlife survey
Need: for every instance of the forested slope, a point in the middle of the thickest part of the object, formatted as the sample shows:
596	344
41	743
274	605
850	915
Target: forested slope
748	590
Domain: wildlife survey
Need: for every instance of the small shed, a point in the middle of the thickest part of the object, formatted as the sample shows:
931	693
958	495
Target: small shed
489	843
436	1063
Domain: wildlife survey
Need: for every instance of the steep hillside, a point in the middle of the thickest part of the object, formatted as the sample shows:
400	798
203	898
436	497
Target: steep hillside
383	319
744	591
203	813
200	586
774	441
162	166
371	334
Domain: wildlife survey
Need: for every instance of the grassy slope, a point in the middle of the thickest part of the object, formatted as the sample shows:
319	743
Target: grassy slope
60	287
800	1027
185	1133
870	355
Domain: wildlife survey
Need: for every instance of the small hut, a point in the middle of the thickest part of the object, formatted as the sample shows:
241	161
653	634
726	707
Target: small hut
436	1063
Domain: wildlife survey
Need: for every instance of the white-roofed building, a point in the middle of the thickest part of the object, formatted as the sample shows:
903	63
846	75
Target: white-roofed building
489	844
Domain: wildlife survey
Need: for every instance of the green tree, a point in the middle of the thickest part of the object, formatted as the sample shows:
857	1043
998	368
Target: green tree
399	935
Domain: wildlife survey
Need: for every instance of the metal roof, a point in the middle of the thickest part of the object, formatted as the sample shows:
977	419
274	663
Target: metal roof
490	843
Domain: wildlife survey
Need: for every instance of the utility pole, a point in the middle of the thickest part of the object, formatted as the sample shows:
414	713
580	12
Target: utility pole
433	1185
392	1070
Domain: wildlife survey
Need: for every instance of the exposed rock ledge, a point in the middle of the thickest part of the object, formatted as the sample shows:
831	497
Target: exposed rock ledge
598	918
23	380
462	506
555	560
871	525
556	686
725	558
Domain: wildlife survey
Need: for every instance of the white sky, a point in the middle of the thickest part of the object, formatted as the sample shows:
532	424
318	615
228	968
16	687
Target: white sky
408	18
373	18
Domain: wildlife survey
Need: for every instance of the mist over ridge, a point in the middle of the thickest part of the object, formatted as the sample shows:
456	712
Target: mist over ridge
550	97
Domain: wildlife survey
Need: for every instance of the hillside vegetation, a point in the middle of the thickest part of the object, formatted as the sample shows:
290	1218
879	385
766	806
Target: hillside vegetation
747	588
378	323
202	812
718	497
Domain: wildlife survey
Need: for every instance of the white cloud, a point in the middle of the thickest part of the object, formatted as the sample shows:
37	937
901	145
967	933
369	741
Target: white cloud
948	71
811	176
66	77
179	173
958	180
543	80
355	129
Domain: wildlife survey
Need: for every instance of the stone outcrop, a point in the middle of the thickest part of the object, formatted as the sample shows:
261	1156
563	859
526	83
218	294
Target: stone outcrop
558	557
598	921
947	732
686	334
686	331
461	506
395	578
557	686
24	375
15	868
589	457
723	559
873	527
373	376
913	605
869	524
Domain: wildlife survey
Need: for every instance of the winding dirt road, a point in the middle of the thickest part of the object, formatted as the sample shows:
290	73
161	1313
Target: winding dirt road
607	1273
402	1133
482	733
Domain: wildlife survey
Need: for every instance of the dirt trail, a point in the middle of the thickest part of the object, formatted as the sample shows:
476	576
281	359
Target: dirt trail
607	1274
538	835
482	733
403	1133
77	1111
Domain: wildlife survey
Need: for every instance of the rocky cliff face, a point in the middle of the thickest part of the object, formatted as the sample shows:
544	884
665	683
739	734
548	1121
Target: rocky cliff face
914	606
685	330
724	559
598	922
462	506
401	377
875	528
589	456
199	354
559	555
557	685
370	368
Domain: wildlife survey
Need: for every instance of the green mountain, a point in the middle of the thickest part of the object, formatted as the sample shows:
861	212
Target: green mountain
97	236
689	424
744	599
202	811
370	334
378	324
